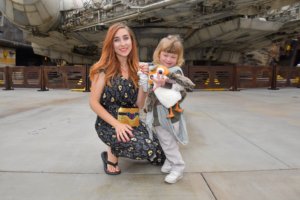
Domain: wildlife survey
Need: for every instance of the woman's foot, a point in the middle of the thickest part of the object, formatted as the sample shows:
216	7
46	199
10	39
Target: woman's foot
110	167
112	158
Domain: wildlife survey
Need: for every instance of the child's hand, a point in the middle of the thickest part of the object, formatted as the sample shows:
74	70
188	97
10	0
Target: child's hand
159	80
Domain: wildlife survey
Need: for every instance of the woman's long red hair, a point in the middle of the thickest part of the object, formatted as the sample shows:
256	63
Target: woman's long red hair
108	61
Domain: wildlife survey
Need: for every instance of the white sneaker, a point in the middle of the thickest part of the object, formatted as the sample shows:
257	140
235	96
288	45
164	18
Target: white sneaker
173	177
166	168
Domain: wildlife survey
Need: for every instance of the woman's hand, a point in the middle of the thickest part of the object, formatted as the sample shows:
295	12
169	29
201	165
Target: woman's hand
143	76
124	132
144	67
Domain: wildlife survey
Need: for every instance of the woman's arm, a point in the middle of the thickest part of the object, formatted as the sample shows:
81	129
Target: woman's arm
144	69
96	92
122	130
141	98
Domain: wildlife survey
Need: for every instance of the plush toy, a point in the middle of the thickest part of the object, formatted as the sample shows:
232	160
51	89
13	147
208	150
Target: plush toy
168	97
156	72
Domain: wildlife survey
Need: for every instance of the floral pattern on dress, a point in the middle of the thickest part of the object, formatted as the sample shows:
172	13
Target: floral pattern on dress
123	93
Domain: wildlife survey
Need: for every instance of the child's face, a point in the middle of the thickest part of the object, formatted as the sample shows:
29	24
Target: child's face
168	59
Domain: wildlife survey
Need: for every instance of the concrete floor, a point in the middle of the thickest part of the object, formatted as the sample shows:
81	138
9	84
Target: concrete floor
243	145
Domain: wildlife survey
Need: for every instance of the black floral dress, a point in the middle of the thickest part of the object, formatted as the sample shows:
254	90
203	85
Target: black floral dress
123	93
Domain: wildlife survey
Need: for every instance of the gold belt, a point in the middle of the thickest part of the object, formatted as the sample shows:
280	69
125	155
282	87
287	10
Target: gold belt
129	116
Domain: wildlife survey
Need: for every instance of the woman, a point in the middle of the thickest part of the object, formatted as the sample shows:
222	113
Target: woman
114	85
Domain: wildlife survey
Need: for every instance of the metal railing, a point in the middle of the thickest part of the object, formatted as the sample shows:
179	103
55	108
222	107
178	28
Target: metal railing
238	77
45	77
205	77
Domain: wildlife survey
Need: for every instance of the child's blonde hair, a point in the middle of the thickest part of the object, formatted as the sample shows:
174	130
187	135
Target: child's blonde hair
169	44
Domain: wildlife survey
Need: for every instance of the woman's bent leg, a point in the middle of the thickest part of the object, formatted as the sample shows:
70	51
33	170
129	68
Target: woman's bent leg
114	159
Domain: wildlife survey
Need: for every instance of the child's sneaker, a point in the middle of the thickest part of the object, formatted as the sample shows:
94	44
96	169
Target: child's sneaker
166	168
173	177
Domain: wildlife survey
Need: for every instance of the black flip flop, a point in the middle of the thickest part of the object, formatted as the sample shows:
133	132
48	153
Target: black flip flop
106	162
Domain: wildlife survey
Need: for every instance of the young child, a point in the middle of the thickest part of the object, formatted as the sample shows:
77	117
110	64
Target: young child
169	130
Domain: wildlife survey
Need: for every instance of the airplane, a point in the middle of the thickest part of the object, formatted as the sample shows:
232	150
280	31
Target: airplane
218	31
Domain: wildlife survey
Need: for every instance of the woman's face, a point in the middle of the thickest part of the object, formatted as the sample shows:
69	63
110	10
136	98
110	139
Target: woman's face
122	43
168	59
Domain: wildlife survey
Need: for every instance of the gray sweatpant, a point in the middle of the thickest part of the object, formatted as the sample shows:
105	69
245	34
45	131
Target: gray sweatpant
170	146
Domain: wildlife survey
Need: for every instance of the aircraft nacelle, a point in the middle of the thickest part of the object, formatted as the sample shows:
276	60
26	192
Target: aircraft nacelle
32	15
212	30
